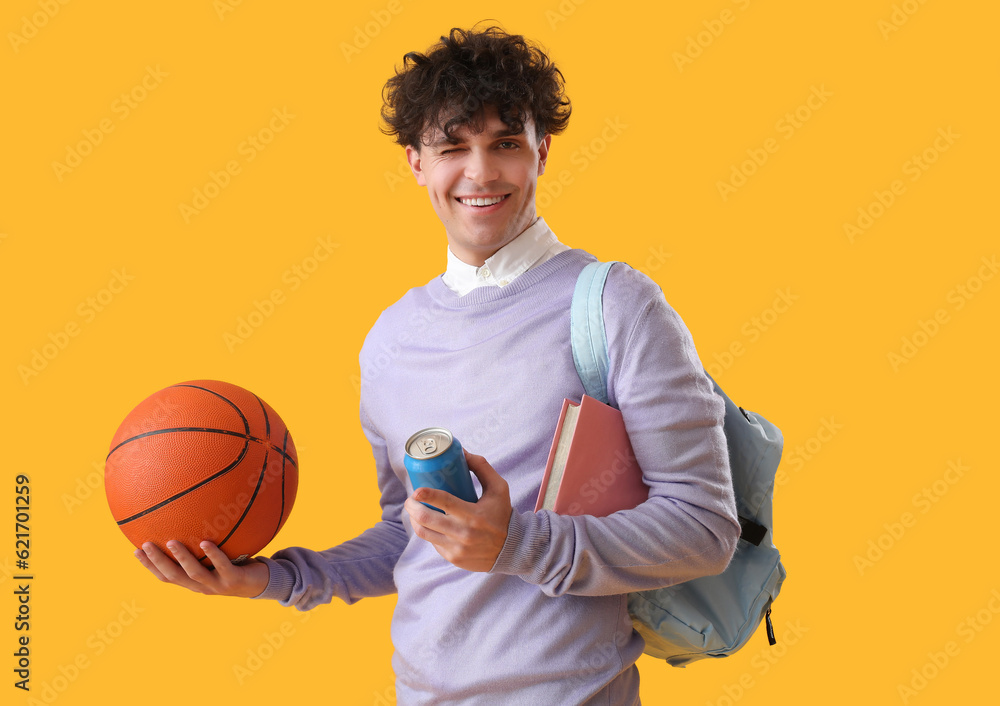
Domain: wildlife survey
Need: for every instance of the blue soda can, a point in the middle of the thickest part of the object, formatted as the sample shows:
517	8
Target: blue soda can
434	459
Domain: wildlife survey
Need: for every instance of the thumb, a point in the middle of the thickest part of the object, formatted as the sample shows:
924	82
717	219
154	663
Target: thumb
487	475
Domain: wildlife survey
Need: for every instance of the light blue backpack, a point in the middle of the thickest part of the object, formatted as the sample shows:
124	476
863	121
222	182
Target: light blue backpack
712	616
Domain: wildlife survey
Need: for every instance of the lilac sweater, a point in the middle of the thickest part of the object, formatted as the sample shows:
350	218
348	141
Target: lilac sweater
549	623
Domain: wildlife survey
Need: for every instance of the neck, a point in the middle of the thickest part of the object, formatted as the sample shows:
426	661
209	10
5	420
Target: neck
478	257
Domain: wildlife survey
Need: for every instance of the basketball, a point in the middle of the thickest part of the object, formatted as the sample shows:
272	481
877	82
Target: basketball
202	460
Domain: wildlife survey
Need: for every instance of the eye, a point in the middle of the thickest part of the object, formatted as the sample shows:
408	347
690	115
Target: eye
508	145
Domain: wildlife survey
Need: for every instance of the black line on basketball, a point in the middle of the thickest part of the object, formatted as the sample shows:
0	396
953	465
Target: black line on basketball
173	429
231	466
267	420
260	479
227	432
246	424
282	513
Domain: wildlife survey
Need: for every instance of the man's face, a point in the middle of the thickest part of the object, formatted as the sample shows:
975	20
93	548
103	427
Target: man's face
494	165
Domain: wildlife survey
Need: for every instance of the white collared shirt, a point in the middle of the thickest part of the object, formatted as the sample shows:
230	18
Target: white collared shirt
531	248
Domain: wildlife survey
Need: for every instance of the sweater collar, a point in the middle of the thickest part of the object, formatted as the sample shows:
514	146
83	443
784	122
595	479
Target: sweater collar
448	298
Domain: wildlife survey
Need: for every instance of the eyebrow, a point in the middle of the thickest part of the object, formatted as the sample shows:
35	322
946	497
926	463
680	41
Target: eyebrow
506	132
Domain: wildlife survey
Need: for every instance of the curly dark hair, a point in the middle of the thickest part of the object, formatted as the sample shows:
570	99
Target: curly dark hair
463	74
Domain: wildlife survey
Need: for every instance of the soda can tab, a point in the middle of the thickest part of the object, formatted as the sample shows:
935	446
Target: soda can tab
434	459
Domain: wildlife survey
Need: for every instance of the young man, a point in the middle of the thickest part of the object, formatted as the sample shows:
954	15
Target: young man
497	603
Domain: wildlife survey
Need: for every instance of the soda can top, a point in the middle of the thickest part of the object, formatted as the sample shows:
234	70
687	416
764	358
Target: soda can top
428	443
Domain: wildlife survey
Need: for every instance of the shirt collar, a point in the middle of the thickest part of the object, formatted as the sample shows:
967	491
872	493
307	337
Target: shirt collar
510	261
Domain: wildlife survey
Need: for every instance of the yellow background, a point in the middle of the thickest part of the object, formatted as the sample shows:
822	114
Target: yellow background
648	194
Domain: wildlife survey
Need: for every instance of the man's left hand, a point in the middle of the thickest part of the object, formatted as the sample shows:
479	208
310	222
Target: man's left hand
469	535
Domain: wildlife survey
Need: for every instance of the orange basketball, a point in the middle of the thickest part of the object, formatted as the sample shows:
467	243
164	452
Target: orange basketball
202	460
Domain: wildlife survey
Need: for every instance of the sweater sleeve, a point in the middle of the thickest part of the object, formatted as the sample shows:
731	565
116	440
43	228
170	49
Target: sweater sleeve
359	568
688	526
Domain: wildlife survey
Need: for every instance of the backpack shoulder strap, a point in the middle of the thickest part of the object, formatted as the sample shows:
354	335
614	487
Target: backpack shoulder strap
590	345
590	354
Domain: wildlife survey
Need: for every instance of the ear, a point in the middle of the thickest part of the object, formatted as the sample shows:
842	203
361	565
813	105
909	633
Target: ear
543	153
413	157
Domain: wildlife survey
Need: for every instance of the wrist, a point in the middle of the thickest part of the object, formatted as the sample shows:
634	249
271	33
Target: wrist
524	544
257	576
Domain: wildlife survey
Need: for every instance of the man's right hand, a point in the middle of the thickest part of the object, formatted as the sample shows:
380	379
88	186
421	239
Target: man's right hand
247	580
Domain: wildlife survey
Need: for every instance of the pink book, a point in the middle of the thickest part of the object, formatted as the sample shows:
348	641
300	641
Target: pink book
591	468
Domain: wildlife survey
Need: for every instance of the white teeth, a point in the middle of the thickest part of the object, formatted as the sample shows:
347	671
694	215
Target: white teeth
482	202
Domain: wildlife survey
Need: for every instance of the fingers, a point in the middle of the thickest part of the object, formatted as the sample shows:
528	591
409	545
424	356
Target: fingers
493	484
166	569
144	560
477	463
427	524
441	499
424	520
194	569
222	563
181	570
184	569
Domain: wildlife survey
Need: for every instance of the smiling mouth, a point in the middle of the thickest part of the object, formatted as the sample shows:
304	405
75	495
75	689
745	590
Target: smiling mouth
482	202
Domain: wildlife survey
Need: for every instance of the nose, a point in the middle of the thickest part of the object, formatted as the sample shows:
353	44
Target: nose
481	167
